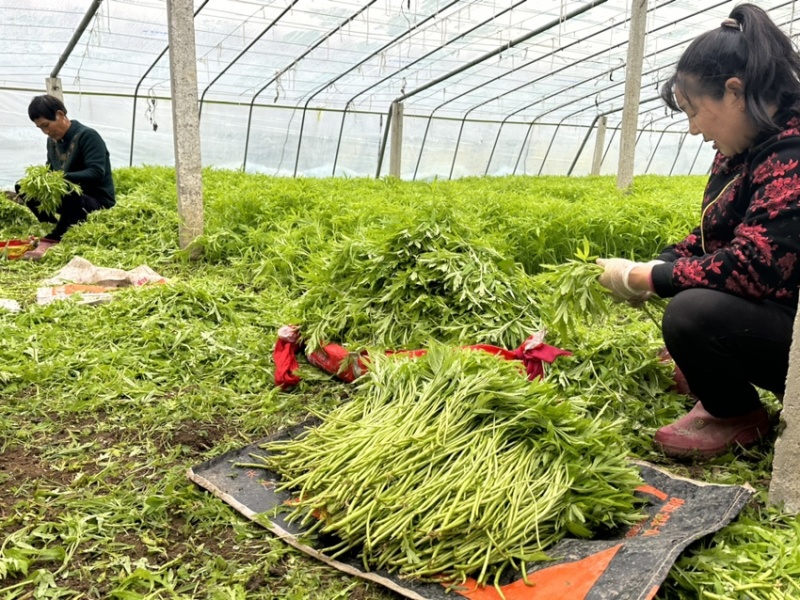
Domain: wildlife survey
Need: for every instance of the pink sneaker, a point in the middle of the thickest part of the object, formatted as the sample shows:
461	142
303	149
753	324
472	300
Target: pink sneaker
37	253
699	433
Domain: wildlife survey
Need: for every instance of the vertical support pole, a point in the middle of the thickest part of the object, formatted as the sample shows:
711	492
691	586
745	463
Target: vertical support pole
396	147
633	86
186	120
599	145
53	87
785	485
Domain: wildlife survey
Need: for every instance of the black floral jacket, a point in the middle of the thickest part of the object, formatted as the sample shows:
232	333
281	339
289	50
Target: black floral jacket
748	241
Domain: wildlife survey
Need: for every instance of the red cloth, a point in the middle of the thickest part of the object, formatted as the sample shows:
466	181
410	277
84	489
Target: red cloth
532	353
283	355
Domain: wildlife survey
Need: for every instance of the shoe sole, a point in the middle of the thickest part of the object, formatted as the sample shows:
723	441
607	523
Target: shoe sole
744	439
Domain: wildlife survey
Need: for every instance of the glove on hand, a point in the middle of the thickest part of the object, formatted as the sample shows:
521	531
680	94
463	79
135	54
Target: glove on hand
643	297
615	278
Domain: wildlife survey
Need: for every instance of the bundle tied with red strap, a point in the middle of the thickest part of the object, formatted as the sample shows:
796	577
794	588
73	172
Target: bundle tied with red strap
284	356
349	366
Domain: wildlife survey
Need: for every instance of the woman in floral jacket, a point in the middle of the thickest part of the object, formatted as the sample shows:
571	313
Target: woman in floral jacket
734	279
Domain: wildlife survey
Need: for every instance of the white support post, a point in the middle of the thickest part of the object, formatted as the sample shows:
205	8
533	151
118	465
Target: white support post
186	120
53	87
784	488
599	144
396	143
633	86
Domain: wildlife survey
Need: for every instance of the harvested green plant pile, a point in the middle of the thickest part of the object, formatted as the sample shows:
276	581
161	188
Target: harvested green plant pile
455	464
47	186
104	408
414	284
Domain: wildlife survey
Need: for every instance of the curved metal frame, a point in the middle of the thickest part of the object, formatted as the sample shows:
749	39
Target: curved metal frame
277	76
589	133
696	155
658	143
353	68
143	77
484	57
411	64
242	53
528	83
420	89
76	36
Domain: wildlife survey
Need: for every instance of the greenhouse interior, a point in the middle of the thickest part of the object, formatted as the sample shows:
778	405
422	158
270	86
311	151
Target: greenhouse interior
381	299
305	88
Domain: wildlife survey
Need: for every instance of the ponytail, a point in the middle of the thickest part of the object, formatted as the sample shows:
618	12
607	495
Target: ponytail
747	45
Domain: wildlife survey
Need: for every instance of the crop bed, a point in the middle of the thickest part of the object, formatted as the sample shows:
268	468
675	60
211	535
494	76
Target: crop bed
103	409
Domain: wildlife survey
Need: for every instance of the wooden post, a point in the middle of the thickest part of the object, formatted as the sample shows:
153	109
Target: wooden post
633	86
186	120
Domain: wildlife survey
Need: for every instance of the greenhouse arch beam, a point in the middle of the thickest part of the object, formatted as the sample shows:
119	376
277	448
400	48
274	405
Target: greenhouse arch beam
536	80
696	155
678	152
658	143
572	101
587	80
244	51
76	36
283	71
483	58
614	131
641	129
589	133
617	128
389	44
143	77
539	101
408	66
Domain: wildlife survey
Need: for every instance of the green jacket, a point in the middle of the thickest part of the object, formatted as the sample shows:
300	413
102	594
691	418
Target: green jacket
83	157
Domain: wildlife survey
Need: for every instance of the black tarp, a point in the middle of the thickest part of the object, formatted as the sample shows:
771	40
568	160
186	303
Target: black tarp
630	564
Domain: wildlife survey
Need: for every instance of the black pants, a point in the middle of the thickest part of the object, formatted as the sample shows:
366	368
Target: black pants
726	345
74	209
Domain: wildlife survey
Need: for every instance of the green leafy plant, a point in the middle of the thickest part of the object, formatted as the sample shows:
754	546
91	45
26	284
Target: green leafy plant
412	284
569	294
454	464
104	406
47	186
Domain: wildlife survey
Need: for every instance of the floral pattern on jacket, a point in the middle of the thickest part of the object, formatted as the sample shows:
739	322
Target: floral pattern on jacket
748	240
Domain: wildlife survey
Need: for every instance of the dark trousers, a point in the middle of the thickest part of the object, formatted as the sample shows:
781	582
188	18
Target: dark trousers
726	346
74	209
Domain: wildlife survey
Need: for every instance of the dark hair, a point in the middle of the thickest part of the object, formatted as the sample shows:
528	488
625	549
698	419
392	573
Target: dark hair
45	106
751	47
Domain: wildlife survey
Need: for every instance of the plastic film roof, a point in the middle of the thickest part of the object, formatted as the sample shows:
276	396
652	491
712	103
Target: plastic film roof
364	54
528	64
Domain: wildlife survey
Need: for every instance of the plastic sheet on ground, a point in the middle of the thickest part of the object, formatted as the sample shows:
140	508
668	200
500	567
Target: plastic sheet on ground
9	305
629	564
81	279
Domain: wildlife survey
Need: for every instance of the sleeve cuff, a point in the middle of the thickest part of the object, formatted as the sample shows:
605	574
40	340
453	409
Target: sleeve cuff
661	279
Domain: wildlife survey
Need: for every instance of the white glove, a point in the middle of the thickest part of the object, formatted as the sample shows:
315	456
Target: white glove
615	277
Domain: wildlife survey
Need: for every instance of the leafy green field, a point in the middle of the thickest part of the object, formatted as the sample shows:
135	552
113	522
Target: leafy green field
103	409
